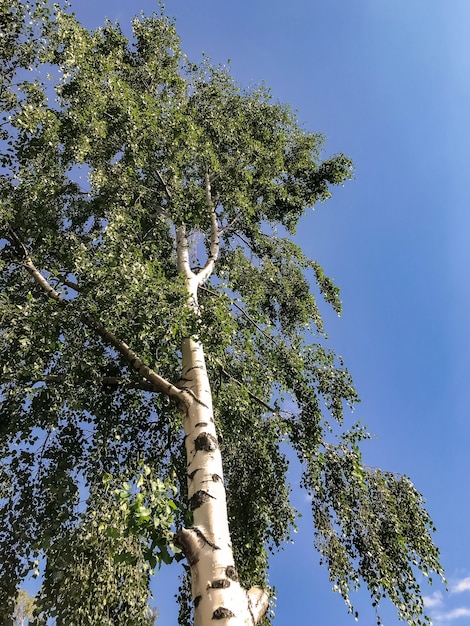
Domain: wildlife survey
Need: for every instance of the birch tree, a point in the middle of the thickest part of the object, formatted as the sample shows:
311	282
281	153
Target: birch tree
157	317
24	608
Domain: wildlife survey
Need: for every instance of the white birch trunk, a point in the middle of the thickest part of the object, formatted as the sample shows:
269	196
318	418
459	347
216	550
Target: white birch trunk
217	596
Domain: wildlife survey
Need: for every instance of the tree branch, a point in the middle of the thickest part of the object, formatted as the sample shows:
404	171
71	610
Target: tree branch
133	360
111	382
245	314
247	243
182	252
258	600
70	284
230	224
243	386
208	268
165	186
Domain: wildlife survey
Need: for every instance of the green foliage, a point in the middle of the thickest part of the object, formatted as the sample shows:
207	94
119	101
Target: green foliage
370	525
107	146
148	512
97	571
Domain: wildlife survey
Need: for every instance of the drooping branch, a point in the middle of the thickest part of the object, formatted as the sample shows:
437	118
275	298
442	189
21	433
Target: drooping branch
133	360
246	315
243	386
110	383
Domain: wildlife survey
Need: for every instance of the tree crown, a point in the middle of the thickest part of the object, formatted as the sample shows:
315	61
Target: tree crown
110	148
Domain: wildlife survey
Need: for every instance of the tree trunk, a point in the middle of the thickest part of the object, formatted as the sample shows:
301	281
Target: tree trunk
216	592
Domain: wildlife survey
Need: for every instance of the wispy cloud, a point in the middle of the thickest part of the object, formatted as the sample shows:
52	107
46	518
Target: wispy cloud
434	600
461	585
439	604
449	616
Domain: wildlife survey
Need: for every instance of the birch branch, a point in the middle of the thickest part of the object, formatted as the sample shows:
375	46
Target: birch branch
208	268
110	382
243	386
163	182
230	225
245	314
182	252
133	360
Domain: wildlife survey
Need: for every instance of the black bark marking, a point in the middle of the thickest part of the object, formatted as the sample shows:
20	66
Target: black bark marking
222	583
193	473
222	613
206	442
194	397
183	539
203	538
201	424
216	478
196	601
198	499
231	573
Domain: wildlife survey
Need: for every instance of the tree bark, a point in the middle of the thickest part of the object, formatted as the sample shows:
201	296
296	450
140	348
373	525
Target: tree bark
216	592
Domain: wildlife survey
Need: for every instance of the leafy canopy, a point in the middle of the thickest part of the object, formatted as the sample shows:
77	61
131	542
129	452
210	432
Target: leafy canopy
108	145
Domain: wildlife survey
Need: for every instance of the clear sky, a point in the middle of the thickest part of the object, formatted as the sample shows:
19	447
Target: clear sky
388	82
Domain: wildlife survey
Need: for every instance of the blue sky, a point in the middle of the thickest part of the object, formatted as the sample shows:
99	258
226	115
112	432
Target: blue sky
388	82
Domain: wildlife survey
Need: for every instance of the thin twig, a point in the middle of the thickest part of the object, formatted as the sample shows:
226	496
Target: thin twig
230	224
243	386
165	186
245	314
